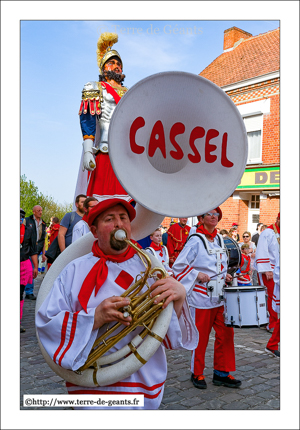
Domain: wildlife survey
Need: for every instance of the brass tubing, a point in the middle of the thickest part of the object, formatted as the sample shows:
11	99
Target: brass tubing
143	307
107	333
102	349
132	288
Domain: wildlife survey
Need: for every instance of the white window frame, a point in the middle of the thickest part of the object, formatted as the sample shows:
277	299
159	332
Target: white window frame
255	200
255	109
254	123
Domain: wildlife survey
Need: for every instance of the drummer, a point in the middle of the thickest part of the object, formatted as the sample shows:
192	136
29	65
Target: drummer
203	263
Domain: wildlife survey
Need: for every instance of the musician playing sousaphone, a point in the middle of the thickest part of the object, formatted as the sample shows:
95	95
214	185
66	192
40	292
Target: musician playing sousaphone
202	268
99	98
87	295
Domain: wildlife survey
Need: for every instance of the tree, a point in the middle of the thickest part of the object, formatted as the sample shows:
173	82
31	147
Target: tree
30	196
52	208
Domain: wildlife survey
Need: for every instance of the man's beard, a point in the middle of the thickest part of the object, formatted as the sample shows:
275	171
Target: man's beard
117	245
81	210
117	77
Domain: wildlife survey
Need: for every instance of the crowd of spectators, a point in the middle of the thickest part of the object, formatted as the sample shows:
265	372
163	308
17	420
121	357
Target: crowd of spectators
36	238
73	225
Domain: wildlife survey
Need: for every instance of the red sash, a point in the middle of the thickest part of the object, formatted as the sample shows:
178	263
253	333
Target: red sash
277	227
111	91
202	230
98	274
157	248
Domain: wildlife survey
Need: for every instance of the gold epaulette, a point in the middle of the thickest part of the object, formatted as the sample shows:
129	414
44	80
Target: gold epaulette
91	94
91	98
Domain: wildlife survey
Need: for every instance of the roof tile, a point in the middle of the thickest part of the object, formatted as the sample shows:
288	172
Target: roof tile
252	57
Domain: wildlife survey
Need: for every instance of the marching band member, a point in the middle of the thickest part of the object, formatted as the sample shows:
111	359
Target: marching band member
272	345
202	268
266	254
86	296
99	99
158	250
177	236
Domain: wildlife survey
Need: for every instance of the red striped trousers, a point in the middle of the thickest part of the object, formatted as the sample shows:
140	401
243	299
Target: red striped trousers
224	355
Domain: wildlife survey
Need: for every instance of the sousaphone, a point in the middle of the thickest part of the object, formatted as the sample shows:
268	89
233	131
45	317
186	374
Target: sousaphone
178	146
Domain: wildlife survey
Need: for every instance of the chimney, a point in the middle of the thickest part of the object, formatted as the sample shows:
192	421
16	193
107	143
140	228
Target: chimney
233	35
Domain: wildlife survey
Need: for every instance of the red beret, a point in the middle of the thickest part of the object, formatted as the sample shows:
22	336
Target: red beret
234	224
278	216
109	203
220	212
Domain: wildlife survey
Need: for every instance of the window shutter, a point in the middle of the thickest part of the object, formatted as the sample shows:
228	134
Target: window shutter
253	123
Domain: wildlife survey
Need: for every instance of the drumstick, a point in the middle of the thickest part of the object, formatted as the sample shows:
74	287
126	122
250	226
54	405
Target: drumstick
218	274
234	276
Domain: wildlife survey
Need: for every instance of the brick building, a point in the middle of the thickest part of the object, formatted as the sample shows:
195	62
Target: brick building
248	71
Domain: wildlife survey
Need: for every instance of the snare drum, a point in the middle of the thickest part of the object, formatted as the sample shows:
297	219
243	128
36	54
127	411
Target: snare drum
245	306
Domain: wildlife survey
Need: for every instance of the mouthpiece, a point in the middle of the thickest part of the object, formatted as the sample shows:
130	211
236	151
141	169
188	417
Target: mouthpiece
120	235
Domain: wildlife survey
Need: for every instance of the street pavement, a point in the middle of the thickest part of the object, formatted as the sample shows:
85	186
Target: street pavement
258	371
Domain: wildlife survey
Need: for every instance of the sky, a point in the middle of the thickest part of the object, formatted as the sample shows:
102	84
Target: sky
58	57
48	52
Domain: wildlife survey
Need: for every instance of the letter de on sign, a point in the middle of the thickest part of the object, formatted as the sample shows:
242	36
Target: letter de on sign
274	177
261	177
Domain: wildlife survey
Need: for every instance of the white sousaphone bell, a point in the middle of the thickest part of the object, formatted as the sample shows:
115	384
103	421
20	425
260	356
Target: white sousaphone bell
178	146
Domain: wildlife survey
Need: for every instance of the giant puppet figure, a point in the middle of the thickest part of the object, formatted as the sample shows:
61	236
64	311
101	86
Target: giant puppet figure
96	177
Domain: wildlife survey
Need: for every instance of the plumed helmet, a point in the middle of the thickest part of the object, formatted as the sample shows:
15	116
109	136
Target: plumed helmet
104	51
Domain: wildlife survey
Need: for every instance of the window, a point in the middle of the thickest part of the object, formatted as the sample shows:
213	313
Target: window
253	126
255	200
254	146
255	218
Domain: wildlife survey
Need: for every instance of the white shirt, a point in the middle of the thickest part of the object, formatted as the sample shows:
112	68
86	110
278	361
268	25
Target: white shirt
276	291
266	252
80	229
194	259
164	258
37	224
